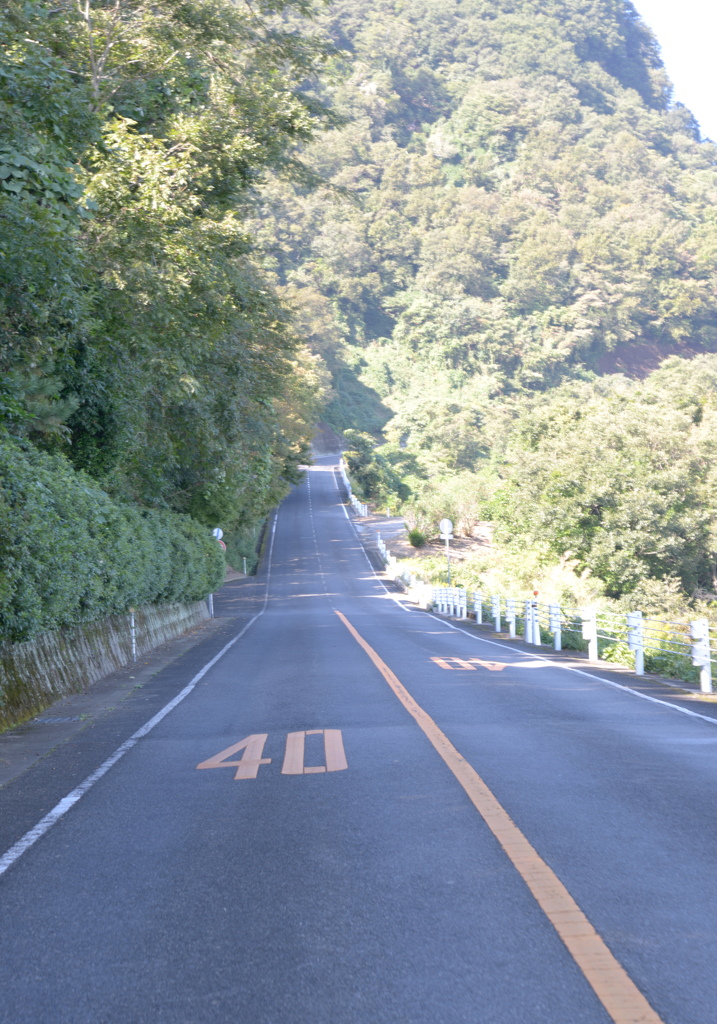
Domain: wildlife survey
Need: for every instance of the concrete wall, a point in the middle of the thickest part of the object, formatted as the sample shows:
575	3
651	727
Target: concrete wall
40	671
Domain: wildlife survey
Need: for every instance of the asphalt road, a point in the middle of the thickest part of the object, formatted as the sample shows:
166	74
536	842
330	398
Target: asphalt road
374	892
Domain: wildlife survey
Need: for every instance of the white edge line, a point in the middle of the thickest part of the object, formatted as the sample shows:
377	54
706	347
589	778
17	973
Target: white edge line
60	809
363	549
580	672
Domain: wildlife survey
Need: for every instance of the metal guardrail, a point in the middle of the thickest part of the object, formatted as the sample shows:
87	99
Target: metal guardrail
451	601
358	506
610	634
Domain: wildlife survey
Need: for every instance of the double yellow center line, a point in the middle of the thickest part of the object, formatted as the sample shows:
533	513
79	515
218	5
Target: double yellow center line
614	988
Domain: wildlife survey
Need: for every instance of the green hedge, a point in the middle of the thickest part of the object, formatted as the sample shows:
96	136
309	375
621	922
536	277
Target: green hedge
70	554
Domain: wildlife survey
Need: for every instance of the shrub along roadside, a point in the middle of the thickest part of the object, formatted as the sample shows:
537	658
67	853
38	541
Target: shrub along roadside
70	554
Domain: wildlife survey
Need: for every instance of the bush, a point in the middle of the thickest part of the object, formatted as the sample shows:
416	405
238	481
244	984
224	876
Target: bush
70	554
416	539
243	543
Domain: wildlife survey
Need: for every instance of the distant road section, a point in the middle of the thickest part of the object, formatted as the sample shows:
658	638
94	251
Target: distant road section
361	814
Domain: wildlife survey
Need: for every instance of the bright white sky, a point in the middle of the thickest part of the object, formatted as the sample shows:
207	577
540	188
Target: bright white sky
687	33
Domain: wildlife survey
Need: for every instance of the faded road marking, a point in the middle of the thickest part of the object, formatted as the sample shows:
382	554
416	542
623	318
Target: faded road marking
469	663
610	981
334	754
248	767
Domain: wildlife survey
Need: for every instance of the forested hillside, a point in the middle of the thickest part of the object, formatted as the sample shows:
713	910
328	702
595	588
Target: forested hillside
519	203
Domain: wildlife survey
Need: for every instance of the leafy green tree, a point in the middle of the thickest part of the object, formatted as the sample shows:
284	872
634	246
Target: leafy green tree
139	326
620	476
372	475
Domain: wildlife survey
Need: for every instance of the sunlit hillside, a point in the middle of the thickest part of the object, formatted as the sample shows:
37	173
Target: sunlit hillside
516	202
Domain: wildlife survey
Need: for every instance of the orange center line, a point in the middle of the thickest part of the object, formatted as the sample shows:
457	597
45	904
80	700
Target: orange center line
610	981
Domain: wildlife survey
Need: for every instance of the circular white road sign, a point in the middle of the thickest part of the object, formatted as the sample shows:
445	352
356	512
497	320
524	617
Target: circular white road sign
446	526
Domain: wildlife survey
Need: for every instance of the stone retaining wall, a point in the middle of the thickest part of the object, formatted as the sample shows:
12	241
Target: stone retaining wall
35	674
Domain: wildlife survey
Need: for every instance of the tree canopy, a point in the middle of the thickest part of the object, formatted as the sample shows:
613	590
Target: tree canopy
139	335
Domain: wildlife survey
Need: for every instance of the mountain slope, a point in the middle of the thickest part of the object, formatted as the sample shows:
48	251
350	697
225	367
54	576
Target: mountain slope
526	204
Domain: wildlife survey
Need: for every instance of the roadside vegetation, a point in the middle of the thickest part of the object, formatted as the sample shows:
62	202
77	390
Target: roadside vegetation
142	346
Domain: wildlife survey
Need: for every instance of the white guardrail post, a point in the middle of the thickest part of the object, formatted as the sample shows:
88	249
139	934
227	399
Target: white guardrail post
556	626
589	617
700	635
464	604
635	640
510	615
536	622
495	611
478	606
358	506
531	629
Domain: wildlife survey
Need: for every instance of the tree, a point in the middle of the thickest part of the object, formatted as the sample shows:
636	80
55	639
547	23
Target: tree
162	343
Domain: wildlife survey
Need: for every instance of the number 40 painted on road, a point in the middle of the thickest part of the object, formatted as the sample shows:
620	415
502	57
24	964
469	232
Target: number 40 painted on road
253	747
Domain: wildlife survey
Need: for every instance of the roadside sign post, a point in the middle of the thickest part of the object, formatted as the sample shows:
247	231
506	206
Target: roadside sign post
446	534
217	533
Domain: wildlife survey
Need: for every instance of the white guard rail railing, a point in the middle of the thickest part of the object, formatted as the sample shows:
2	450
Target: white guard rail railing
451	601
385	554
358	506
609	634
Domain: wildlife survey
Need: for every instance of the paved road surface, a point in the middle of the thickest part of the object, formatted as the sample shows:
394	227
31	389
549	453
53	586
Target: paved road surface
375	892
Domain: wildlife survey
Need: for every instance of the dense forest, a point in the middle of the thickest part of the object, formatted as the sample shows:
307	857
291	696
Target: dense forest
145	357
522	229
477	237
